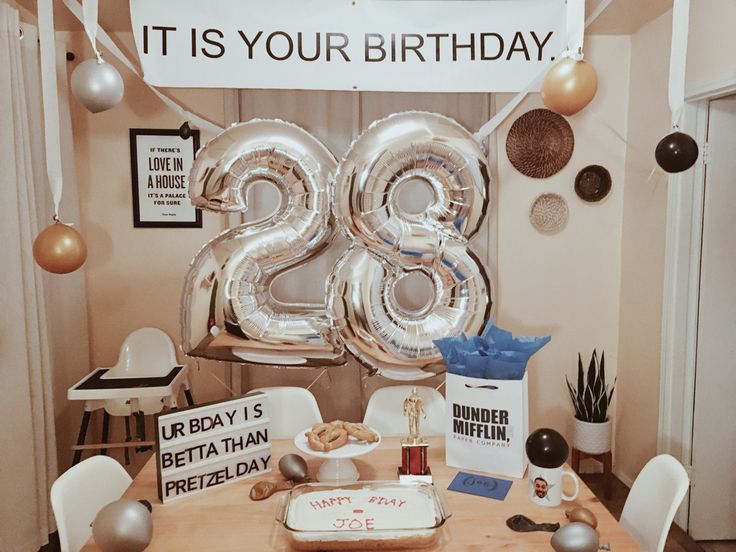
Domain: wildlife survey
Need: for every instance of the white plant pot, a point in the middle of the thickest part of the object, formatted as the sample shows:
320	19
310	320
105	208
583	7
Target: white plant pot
591	438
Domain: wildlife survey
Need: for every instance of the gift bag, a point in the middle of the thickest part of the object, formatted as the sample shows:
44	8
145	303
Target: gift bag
487	425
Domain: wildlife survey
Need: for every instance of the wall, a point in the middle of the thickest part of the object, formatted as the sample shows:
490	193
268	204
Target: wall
567	285
711	43
642	251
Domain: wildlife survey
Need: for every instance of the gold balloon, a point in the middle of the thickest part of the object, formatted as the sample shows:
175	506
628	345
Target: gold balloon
569	86
582	515
60	249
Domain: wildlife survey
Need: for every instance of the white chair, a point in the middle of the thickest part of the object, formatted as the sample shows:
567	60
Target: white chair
80	492
146	377
292	409
384	412
145	353
654	498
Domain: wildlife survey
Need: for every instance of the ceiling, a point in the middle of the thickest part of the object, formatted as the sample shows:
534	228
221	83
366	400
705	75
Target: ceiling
621	17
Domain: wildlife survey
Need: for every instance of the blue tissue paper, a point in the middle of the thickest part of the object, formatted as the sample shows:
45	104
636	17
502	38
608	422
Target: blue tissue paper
496	354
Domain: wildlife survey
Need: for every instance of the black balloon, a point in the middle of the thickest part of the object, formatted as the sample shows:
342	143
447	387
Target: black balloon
676	152
546	448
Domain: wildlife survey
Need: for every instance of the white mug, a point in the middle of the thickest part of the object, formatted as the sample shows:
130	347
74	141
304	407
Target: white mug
545	485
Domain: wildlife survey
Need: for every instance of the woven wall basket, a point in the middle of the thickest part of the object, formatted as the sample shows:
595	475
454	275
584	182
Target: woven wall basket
549	213
593	183
540	143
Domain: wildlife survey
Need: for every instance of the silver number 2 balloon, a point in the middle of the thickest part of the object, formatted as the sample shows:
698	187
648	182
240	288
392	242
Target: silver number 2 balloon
228	312
388	242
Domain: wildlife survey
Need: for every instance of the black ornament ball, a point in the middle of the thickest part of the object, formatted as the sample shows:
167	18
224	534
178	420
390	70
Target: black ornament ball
676	152
185	131
546	448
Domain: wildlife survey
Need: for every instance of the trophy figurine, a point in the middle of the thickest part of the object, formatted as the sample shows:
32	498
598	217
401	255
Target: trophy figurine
414	448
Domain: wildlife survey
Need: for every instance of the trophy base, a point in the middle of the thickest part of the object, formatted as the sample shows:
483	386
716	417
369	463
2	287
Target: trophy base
414	461
408	478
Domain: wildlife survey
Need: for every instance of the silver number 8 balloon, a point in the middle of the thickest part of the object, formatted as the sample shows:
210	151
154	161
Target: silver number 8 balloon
228	312
388	243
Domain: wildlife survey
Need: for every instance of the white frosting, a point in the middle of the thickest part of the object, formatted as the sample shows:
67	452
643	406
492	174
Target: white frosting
362	510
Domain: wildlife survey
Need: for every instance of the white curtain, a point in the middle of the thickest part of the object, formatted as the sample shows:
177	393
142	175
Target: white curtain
36	317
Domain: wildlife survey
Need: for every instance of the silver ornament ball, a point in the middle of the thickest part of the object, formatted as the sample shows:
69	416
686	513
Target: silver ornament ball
575	537
123	526
97	85
293	467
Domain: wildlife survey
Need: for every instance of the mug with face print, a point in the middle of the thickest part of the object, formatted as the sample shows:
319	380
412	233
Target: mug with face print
545	485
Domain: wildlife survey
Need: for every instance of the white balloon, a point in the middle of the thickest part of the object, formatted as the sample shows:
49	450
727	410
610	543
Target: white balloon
97	85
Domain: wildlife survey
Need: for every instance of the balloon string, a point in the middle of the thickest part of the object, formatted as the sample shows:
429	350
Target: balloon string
491	126
50	99
201	122
678	59
618	135
225	385
575	17
322	373
89	13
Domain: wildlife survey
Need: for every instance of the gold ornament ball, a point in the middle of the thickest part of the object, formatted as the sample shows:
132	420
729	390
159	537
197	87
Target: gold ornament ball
59	249
569	86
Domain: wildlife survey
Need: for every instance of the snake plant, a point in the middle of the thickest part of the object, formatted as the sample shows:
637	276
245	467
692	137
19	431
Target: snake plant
592	397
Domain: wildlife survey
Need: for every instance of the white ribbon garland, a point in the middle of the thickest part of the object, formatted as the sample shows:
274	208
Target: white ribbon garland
575	29
49	93
89	15
200	122
574	37
678	58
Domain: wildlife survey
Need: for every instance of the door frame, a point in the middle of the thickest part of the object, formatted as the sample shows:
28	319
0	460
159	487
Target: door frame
685	203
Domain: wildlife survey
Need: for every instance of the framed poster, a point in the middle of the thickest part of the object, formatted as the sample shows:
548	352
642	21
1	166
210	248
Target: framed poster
160	162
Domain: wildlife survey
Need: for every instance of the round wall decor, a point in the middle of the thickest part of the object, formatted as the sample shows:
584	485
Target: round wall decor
549	213
540	143
593	183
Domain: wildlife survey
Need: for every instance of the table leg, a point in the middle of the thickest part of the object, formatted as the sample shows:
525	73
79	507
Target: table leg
608	474
575	460
81	437
128	438
188	395
105	430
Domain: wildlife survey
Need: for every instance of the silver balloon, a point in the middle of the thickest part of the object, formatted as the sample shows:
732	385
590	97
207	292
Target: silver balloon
390	242
97	85
384	335
123	526
228	312
575	537
407	147
294	468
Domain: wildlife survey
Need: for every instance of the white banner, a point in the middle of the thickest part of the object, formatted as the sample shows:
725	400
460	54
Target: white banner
391	45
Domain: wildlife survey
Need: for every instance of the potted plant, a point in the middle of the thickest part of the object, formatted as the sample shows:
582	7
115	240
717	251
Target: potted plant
591	398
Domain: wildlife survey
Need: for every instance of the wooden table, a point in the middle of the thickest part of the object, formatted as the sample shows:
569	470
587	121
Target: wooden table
226	519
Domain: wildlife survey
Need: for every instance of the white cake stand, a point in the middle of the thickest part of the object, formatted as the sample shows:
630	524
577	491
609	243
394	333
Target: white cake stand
338	466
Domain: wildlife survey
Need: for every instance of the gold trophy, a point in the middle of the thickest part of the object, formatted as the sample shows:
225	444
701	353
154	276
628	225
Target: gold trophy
414	448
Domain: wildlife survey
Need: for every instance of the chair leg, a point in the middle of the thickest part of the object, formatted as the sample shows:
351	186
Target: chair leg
81	437
188	395
105	430
128	438
141	431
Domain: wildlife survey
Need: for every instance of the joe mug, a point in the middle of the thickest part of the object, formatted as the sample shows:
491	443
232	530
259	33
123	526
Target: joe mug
545	485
